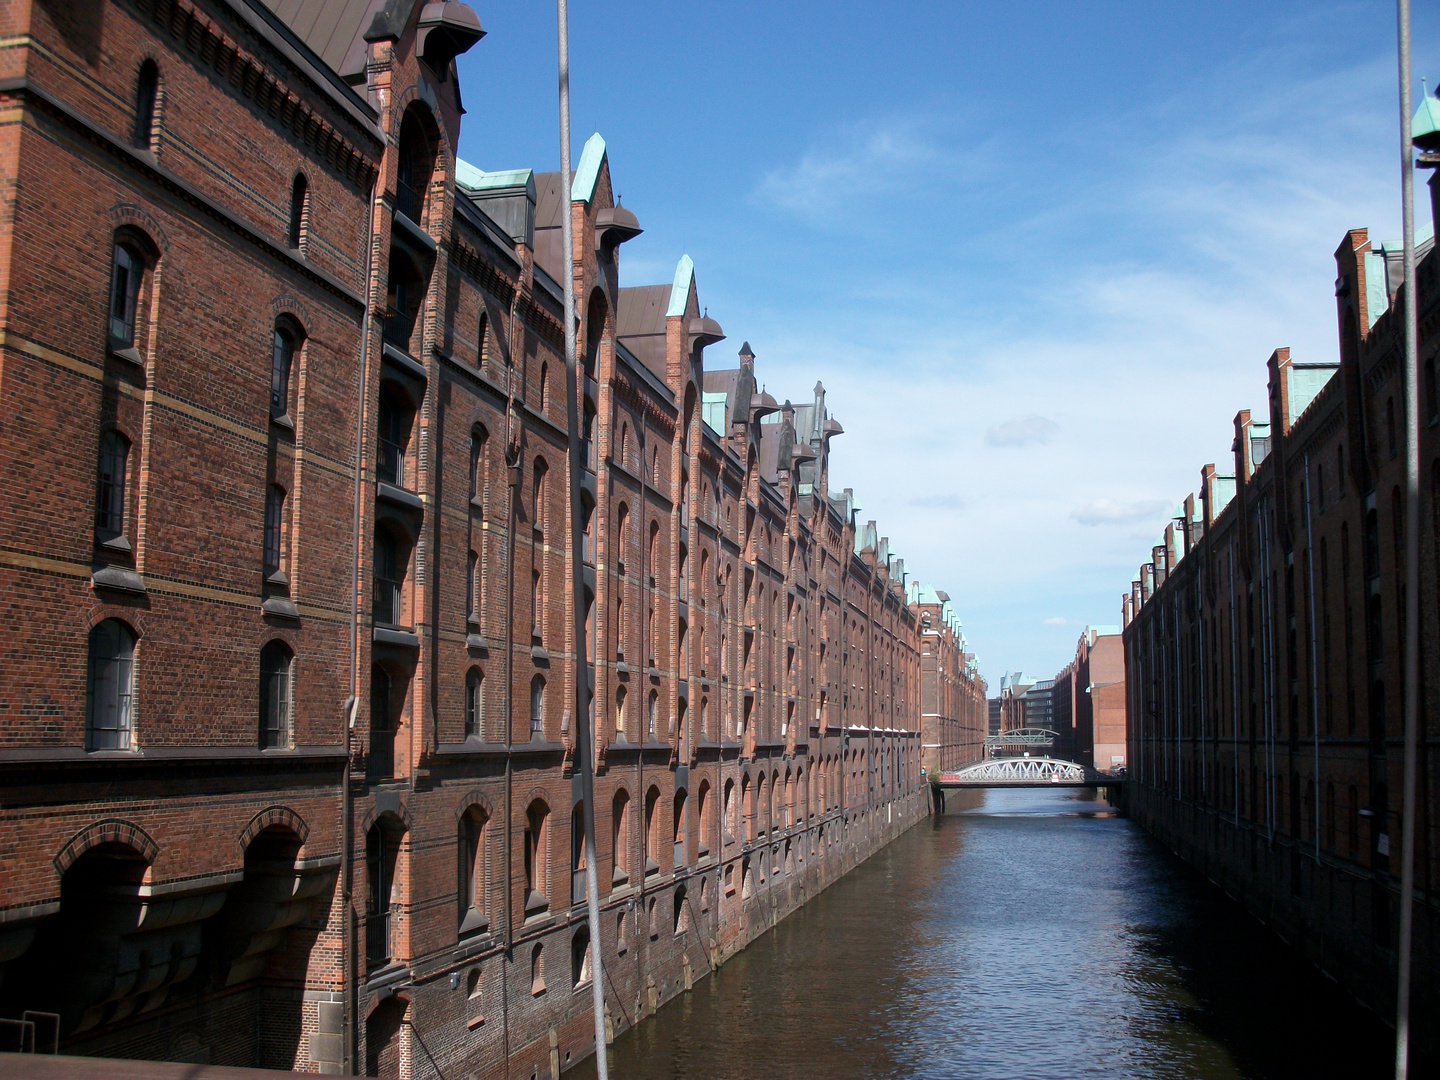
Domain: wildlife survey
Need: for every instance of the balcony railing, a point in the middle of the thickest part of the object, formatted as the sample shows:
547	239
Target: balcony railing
379	947
390	463
386	600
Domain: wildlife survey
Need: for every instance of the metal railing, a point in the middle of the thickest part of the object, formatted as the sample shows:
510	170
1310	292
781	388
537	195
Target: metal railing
379	946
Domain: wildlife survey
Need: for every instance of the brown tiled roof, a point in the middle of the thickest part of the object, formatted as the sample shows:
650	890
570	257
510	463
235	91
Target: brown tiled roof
334	29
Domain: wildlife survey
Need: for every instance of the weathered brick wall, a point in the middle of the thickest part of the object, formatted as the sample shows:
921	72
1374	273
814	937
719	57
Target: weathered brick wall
1264	667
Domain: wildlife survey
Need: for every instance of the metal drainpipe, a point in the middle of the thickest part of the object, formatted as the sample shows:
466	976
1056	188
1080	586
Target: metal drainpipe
1314	670
511	487
1234	682
348	1027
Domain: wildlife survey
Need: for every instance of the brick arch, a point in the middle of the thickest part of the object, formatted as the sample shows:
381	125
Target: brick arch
542	794
498	318
287	304
422	93
131	435
400	813
111	831
274	815
474	797
130	616
137	217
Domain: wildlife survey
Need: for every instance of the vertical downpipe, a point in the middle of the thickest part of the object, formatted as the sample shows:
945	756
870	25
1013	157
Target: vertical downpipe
1314	668
1412	558
348	1027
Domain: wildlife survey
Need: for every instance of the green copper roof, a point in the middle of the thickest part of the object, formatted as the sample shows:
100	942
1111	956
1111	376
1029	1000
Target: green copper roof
1427	118
680	291
467	175
588	171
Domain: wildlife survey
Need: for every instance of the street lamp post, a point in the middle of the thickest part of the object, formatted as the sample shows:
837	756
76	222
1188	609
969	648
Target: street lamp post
1412	556
584	753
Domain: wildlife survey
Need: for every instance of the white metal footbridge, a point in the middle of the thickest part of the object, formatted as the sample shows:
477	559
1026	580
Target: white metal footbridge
1026	772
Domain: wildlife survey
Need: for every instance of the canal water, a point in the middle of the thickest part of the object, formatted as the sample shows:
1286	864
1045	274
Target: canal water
1033	934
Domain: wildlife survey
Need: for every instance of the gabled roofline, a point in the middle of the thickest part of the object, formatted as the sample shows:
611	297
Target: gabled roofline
587	172
680	291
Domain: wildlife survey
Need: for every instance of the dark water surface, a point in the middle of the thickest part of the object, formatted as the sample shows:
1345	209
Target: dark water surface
1037	935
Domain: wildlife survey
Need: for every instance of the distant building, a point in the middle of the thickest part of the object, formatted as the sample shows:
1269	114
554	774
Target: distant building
995	715
1088	701
953	715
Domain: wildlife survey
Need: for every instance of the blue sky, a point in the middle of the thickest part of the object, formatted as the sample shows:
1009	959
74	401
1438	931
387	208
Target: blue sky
1037	252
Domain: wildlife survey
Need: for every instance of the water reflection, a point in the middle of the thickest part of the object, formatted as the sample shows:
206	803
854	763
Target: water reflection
1030	933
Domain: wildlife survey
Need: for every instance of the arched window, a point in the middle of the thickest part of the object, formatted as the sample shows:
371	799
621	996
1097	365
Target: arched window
536	858
747	804
702	807
110	687
299	211
539	503
472	581
652	802
482	343
147	95
580	957
382	848
281	361
577	853
622	537
110	485
727	813
620	713
276	690
472	908
594	331
680	916
620	839
537	709
680	830
537	970
479	438
652	707
544	387
127	271
475	704
274	529
413	168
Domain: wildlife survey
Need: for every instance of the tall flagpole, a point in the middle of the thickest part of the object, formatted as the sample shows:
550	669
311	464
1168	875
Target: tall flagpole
1412	559
584	754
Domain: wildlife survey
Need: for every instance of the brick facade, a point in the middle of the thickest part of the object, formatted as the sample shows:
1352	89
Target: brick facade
288	726
1263	645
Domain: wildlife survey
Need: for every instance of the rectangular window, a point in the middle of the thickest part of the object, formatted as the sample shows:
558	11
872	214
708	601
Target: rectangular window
274	515
124	292
110	486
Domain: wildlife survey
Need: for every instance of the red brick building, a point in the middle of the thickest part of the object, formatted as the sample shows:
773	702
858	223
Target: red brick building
1088	700
288	744
954	712
1263	645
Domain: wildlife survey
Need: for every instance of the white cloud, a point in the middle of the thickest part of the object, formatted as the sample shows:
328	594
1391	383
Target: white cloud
1057	620
869	163
1110	512
1022	431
